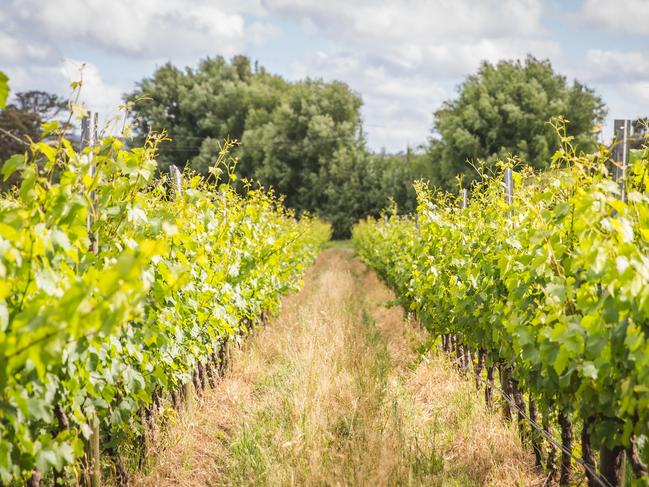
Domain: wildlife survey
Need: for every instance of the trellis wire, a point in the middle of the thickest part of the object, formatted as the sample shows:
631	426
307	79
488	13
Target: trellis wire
602	481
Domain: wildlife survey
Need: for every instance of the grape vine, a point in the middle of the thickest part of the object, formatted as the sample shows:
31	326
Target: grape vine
90	341
551	291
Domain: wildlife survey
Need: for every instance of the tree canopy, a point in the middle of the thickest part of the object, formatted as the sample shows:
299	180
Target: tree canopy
21	120
303	138
503	110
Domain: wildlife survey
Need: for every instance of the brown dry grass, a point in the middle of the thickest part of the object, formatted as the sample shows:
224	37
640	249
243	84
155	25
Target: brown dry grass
333	392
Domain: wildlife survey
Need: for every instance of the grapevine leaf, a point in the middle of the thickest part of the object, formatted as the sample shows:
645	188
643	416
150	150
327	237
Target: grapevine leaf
11	165
4	90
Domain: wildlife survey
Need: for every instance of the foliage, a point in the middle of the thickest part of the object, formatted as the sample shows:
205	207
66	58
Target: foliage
639	137
4	89
504	110
553	287
360	184
47	106
294	149
22	126
21	123
92	337
303	138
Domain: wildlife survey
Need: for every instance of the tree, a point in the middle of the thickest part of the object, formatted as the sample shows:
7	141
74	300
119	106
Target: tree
199	108
47	106
17	127
291	133
303	138
294	149
21	121
503	110
361	184
640	133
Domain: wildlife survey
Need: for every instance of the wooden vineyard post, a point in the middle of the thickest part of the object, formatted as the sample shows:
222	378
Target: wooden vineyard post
509	190
176	180
89	139
504	372
566	445
467	359
620	154
95	479
612	465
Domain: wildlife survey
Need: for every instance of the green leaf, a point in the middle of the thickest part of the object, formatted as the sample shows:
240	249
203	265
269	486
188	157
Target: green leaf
47	458
46	281
561	361
4	90
47	150
589	370
5	461
60	239
11	165
49	127
556	291
38	409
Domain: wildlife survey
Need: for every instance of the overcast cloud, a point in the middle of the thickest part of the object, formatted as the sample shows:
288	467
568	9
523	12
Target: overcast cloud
404	57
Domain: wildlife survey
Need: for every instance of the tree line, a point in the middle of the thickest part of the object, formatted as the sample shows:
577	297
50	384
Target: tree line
305	138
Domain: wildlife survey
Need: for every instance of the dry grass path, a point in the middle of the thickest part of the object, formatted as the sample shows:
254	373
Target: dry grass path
334	392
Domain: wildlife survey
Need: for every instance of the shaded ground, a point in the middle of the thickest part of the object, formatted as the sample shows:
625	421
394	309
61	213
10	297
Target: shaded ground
334	392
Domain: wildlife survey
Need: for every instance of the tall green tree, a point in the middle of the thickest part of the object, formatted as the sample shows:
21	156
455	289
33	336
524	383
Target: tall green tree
295	148
304	138
361	184
4	89
292	134
48	106
199	108
21	121
504	109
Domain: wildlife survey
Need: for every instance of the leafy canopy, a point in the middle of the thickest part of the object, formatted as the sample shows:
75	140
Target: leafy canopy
4	89
504	109
553	286
96	334
303	138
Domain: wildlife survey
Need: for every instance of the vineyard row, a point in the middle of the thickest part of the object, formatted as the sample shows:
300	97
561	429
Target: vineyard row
549	288
116	292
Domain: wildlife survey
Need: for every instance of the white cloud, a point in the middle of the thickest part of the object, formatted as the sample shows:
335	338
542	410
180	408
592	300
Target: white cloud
446	37
622	78
146	29
401	54
639	91
95	92
631	16
260	33
37	38
14	50
416	19
397	108
611	66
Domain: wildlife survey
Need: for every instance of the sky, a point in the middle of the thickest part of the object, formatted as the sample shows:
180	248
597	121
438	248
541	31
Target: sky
402	57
